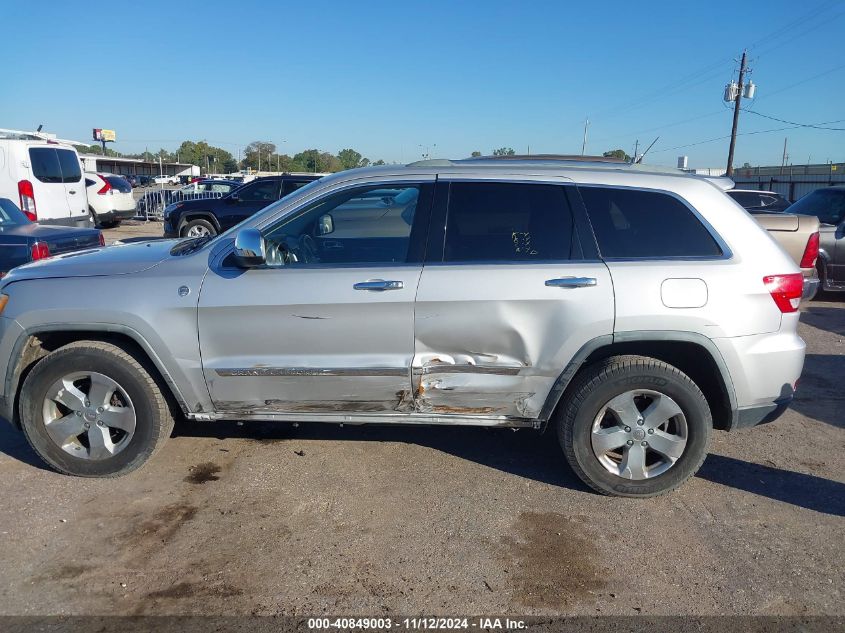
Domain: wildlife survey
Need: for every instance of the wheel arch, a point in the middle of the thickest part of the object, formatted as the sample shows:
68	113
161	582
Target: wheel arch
34	344
199	215
694	354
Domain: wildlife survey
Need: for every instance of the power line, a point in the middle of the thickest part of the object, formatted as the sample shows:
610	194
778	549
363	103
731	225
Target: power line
710	71
816	126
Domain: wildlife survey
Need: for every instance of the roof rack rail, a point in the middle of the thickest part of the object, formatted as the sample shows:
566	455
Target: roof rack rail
561	157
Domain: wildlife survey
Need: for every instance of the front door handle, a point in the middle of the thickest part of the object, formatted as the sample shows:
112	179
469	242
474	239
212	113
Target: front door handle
379	285
571	282
72	192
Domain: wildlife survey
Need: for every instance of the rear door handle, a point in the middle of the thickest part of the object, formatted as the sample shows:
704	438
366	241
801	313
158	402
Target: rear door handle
72	192
571	282
379	285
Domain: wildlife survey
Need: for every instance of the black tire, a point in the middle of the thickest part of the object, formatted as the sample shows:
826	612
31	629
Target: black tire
198	222
94	219
595	386
154	422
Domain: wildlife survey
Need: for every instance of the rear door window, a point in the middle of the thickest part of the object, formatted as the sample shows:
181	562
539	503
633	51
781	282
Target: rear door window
45	164
267	190
69	162
515	222
640	224
289	186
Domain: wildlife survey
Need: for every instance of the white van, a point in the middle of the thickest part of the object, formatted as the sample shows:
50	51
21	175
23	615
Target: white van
45	179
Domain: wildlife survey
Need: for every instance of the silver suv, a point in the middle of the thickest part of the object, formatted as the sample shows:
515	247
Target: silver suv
630	309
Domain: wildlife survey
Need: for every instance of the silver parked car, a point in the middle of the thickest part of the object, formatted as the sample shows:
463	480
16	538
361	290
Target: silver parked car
630	309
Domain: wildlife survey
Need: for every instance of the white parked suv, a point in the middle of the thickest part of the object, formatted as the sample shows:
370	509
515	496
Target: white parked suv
163	179
44	178
628	309
110	199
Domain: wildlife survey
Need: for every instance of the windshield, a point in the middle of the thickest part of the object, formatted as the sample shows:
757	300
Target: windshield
10	215
828	205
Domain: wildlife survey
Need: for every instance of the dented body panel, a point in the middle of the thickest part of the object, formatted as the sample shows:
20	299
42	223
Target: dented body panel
298	339
492	339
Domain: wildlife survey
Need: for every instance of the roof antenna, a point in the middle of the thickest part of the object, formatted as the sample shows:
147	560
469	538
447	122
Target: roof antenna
640	159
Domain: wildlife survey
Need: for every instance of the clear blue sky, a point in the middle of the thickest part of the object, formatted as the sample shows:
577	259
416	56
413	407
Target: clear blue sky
387	77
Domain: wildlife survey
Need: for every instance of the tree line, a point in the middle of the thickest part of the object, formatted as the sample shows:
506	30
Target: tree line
263	156
257	156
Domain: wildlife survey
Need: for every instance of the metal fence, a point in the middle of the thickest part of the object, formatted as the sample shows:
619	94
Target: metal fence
792	181
150	206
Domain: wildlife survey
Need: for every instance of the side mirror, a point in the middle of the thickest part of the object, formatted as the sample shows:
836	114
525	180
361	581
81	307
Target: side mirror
233	199
249	248
325	225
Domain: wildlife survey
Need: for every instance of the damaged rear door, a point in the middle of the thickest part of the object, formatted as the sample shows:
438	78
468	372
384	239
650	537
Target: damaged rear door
511	289
326	326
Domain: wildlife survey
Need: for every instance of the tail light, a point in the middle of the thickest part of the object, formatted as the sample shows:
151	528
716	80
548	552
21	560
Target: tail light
106	188
27	198
786	290
102	239
811	251
40	250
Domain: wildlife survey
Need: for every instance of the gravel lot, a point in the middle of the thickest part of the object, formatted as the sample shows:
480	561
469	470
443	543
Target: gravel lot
268	519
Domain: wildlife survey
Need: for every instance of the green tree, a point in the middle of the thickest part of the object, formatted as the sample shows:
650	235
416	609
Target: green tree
350	159
378	162
258	154
617	153
476	154
504	151
314	160
207	157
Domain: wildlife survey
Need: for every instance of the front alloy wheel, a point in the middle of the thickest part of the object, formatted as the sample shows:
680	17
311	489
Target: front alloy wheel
94	409
89	415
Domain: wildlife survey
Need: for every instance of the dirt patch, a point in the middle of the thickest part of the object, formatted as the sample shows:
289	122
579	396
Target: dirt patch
191	589
203	473
64	572
163	525
554	563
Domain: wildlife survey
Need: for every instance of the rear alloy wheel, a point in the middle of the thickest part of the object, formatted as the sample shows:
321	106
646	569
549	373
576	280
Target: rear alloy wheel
634	426
198	228
93	410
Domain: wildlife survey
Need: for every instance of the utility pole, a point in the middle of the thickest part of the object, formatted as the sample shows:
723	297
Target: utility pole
783	160
737	105
636	147
584	144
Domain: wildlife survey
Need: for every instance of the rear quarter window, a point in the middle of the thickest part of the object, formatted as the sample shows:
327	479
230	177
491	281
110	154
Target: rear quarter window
45	164
639	224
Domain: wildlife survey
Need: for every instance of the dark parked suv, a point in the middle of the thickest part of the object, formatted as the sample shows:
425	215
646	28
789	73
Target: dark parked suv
199	218
828	205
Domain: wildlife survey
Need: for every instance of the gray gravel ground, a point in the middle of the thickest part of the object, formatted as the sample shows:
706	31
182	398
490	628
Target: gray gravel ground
267	519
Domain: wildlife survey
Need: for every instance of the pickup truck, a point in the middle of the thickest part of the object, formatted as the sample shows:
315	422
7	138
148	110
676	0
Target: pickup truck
797	234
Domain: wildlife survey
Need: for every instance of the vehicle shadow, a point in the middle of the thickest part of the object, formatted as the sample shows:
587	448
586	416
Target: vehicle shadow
14	444
806	491
524	453
829	319
819	395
